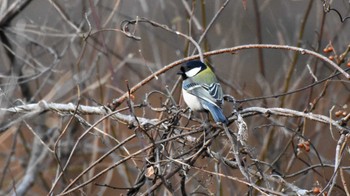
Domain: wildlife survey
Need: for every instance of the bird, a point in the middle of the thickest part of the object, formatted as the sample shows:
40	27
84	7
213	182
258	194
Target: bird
201	90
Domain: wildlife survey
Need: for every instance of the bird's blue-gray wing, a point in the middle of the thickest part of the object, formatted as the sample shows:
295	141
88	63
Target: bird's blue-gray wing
215	91
210	96
199	90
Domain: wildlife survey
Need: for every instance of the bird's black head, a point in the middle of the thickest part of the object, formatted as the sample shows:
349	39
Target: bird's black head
191	69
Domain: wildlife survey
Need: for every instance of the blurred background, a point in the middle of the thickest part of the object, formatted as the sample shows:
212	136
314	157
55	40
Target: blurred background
75	50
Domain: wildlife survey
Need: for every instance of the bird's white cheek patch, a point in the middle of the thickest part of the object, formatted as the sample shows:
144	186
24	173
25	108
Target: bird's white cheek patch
192	72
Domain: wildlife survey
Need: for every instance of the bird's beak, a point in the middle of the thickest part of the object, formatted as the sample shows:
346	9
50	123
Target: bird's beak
180	73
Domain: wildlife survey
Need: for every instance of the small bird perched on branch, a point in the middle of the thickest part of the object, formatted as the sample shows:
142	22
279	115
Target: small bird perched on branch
201	89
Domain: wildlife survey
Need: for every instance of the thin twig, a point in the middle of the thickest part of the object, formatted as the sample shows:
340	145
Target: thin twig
337	159
165	27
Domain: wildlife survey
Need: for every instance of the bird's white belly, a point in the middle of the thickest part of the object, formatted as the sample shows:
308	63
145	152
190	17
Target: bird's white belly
192	101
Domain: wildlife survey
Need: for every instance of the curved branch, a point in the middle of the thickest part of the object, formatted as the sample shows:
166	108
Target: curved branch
70	108
30	110
293	113
116	102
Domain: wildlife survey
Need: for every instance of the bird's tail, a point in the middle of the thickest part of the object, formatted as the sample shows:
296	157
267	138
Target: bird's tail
216	113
